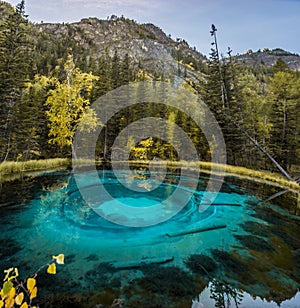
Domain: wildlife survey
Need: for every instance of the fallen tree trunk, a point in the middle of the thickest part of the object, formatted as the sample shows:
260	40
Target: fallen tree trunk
222	204
195	230
140	263
262	149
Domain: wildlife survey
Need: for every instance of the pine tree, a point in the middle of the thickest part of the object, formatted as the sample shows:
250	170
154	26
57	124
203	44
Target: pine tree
15	68
115	71
284	98
219	93
280	66
103	83
125	72
32	132
234	106
254	114
212	90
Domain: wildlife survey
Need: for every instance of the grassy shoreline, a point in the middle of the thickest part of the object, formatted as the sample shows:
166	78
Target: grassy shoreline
267	177
9	169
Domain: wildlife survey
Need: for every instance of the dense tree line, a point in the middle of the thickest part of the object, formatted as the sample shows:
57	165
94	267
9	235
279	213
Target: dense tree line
262	106
37	71
47	83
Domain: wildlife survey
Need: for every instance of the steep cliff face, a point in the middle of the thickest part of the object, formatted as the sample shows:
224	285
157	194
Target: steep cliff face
145	44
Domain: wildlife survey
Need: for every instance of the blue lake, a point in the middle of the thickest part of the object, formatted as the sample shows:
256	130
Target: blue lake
238	250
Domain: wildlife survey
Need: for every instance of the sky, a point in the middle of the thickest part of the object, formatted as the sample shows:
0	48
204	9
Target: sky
241	24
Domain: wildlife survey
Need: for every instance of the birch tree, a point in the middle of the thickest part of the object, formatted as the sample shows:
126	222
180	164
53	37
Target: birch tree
67	104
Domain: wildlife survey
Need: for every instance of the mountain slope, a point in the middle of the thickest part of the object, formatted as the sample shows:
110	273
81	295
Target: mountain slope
145	44
269	58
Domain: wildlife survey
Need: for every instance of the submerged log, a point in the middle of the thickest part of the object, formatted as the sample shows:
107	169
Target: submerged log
195	230
6	204
222	204
140	263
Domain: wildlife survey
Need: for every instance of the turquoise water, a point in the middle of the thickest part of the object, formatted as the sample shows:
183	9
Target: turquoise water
238	246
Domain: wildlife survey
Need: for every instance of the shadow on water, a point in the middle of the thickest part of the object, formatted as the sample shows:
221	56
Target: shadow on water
260	257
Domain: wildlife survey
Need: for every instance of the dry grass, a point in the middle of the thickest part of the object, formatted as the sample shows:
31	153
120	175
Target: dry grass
272	178
9	169
12	167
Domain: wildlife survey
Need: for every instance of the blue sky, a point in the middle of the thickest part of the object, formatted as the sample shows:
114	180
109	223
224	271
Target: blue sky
242	25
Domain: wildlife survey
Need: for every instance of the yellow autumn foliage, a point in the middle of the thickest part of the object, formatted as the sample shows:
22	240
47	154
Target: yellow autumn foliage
51	269
19	298
33	293
31	282
10	293
59	259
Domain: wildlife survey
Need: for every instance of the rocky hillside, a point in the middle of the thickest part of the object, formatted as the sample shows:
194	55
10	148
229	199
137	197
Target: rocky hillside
145	44
5	9
269	57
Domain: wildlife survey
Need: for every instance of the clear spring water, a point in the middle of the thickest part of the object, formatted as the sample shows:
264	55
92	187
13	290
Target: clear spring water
245	247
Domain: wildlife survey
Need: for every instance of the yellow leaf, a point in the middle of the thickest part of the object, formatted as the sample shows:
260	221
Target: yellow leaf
31	282
33	293
59	259
19	298
51	269
24	305
1	304
12	293
9	303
